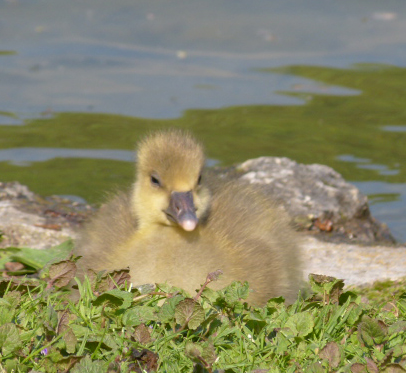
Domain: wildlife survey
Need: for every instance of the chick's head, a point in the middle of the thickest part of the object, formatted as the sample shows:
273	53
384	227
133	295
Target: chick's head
169	189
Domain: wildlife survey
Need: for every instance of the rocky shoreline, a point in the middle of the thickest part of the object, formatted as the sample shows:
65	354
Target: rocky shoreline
340	236
317	198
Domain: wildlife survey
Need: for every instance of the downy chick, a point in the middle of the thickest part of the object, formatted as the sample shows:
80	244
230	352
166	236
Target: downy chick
171	228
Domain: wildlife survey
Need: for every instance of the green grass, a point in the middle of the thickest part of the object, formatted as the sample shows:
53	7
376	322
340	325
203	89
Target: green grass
108	326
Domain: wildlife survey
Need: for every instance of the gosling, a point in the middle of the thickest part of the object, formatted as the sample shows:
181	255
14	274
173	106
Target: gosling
175	227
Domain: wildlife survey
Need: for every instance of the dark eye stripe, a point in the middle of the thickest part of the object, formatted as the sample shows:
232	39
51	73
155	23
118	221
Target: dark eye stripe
199	181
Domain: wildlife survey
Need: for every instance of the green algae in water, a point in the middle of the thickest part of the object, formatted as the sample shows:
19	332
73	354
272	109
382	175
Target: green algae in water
319	131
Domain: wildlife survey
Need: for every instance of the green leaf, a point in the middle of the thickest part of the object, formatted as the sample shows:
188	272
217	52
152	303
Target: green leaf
210	295
86	365
331	353
166	288
282	343
38	258
115	297
201	353
371	332
107	341
11	365
64	318
316	368
13	298
288	332
53	357
5	255
327	286
64	364
51	321
371	366
79	331
61	273
167	311
355	312
138	315
70	340
358	368
5	303
277	303
189	312
19	283
62	250
9	338
235	292
393	368
193	351
142	334
209	353
397	327
6	315
354	297
113	279
301	323
399	351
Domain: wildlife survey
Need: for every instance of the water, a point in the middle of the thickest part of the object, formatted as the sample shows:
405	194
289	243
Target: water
317	81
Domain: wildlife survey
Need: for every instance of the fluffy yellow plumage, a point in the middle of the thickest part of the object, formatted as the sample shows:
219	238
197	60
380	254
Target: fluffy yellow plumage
176	227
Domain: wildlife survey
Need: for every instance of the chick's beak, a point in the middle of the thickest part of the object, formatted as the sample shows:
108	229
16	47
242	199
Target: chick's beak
182	210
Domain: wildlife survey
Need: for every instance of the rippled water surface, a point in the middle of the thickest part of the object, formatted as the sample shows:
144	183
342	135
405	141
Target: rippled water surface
317	81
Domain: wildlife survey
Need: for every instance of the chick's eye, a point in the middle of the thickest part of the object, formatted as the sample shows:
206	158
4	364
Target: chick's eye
155	181
199	180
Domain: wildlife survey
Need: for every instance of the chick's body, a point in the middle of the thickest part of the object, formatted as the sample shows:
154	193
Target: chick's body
170	228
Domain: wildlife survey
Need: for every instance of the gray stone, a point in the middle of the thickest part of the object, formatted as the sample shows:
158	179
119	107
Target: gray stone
306	189
28	220
316	197
22	229
15	190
